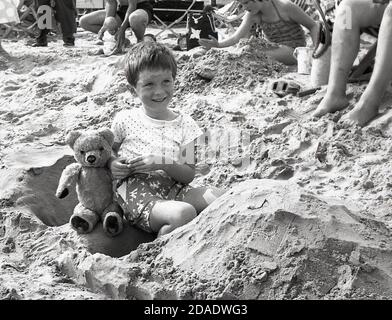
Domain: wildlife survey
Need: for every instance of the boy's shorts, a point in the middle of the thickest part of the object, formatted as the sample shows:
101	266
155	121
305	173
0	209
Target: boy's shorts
138	194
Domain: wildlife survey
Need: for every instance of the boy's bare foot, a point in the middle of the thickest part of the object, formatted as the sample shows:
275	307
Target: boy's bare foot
329	105
361	114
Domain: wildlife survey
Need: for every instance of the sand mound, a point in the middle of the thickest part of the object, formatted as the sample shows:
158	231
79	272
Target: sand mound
285	243
242	68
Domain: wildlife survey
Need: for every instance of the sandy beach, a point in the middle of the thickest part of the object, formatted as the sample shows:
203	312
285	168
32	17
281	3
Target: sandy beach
308	208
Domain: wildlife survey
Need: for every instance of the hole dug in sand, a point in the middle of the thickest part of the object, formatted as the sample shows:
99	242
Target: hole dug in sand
38	194
35	194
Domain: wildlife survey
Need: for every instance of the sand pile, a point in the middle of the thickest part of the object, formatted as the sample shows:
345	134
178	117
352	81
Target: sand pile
242	68
285	243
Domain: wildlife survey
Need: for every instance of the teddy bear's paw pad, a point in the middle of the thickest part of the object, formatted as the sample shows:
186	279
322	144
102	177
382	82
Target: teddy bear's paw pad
80	225
112	224
63	194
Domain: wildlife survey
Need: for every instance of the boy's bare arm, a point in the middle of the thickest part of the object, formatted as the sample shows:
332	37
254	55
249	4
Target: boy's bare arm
115	148
182	172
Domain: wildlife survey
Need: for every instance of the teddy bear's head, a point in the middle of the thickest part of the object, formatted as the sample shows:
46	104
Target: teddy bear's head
92	148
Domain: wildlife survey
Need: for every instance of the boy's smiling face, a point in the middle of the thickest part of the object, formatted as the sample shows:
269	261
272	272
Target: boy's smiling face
155	89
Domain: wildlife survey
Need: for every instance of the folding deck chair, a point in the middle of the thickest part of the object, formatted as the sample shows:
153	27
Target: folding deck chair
229	15
165	7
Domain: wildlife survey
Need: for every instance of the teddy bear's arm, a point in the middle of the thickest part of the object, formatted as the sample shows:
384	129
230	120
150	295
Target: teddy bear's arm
69	176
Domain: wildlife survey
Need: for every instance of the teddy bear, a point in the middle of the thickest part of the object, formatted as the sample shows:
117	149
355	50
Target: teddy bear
94	182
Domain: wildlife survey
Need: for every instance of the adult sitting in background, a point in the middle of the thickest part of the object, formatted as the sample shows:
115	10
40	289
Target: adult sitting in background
116	17
345	47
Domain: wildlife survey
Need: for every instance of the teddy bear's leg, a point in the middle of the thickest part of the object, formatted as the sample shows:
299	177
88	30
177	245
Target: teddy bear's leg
112	220
83	220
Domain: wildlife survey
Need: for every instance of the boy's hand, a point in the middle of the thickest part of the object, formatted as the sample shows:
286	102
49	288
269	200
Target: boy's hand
146	163
119	168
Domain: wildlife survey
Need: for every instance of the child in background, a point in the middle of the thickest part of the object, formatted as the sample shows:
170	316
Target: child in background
281	22
153	167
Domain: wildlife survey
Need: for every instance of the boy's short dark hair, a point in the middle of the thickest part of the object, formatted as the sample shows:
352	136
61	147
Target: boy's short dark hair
147	55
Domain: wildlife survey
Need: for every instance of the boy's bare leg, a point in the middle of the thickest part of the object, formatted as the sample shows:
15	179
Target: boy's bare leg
200	198
167	215
367	107
351	16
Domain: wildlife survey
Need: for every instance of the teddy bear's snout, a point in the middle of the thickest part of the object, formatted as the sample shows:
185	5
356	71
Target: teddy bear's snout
91	159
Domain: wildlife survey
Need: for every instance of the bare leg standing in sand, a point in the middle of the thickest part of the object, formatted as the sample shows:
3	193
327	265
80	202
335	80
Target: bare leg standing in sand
367	107
351	17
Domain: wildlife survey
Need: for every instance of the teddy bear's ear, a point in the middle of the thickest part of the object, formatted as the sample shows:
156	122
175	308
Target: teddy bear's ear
108	135
71	138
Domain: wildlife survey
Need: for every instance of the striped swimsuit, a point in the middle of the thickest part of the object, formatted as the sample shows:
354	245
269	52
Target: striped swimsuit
284	32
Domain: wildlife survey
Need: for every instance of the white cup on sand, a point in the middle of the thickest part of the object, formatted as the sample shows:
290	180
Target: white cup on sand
319	74
304	59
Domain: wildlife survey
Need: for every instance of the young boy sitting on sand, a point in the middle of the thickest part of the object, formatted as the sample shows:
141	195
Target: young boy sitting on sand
281	22
154	172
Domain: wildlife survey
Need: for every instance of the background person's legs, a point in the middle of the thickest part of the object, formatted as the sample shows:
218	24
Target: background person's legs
42	40
138	21
66	15
351	16
367	107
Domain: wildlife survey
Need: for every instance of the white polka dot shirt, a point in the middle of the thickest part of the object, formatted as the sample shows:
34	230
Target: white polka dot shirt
139	134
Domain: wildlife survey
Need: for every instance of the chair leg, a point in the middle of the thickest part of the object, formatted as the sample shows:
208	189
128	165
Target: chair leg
365	63
165	27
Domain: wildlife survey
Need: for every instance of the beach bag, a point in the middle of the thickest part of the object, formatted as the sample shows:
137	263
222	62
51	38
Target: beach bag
199	25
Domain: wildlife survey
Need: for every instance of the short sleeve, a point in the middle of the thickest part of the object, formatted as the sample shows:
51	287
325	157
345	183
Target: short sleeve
118	128
191	130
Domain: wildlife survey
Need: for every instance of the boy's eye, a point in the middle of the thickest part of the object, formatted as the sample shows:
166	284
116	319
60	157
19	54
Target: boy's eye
149	84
